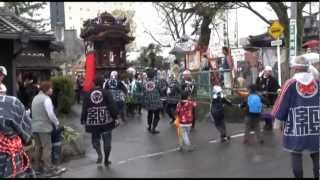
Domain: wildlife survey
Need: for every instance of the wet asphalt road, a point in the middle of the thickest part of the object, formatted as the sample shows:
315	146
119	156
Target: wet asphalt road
139	154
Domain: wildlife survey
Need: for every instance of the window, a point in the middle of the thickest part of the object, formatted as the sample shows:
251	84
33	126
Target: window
88	9
80	9
70	18
69	7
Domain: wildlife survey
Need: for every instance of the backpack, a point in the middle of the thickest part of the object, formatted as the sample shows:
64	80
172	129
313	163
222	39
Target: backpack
254	103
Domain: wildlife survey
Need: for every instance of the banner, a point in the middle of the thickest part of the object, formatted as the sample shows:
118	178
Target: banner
90	71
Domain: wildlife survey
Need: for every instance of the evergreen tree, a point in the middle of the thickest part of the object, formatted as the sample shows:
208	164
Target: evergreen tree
28	10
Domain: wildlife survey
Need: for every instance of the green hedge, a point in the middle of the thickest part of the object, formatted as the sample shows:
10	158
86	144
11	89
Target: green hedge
63	93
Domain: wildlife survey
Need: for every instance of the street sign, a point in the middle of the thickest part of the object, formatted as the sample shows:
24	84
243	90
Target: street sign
275	30
276	43
293	35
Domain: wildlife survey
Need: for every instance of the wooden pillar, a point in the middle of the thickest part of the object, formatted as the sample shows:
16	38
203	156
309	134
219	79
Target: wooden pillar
6	52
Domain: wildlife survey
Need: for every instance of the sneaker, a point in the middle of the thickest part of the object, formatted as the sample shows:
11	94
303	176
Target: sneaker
245	141
107	163
38	173
222	140
180	149
190	149
99	160
149	129
228	138
155	131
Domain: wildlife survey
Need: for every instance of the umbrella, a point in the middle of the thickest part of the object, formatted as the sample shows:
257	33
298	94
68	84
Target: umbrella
311	44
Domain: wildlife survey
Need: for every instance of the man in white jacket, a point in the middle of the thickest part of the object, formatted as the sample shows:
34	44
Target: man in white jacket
43	120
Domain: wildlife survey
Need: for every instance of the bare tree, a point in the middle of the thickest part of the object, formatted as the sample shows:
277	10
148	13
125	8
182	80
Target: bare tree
129	16
205	14
281	10
176	23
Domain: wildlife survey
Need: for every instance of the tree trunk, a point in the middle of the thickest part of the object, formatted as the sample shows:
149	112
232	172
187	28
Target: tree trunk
285	69
205	32
300	22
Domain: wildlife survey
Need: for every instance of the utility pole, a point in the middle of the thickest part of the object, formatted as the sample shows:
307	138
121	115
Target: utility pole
319	27
236	30
293	30
225	30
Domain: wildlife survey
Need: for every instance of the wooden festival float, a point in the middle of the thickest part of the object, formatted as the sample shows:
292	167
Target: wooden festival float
105	38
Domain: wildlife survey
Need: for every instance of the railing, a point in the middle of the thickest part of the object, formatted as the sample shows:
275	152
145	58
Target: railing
204	81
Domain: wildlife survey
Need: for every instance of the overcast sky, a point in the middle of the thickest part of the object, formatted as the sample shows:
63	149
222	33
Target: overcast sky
146	16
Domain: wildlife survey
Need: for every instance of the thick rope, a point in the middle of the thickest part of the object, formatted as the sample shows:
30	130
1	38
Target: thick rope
13	147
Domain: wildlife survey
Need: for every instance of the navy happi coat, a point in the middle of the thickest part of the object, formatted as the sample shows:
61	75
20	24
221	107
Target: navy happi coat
298	106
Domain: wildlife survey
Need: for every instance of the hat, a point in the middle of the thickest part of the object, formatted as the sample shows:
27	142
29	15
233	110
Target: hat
186	72
131	70
268	68
3	70
299	61
113	74
216	89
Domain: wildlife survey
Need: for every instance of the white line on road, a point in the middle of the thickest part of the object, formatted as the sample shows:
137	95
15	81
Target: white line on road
172	150
233	136
148	155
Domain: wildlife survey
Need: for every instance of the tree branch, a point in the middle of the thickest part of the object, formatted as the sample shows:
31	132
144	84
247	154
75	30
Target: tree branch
169	19
248	6
158	42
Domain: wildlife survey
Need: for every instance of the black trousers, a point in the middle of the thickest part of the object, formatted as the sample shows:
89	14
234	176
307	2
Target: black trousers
296	162
106	138
130	109
219	123
78	95
153	118
194	117
171	110
138	107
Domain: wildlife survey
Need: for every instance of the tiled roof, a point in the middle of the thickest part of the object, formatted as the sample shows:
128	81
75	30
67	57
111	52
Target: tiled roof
35	63
14	25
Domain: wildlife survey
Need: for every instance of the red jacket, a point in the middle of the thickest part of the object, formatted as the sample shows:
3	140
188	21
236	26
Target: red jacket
184	111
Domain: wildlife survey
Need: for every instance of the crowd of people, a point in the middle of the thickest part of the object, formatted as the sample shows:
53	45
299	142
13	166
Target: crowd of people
112	100
176	95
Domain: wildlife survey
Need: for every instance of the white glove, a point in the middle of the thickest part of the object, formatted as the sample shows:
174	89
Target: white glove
28	112
117	123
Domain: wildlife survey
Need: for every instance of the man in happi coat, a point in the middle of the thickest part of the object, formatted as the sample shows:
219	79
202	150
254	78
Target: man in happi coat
15	132
298	109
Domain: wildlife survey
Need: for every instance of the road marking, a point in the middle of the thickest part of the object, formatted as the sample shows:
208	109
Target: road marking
172	150
233	136
148	155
